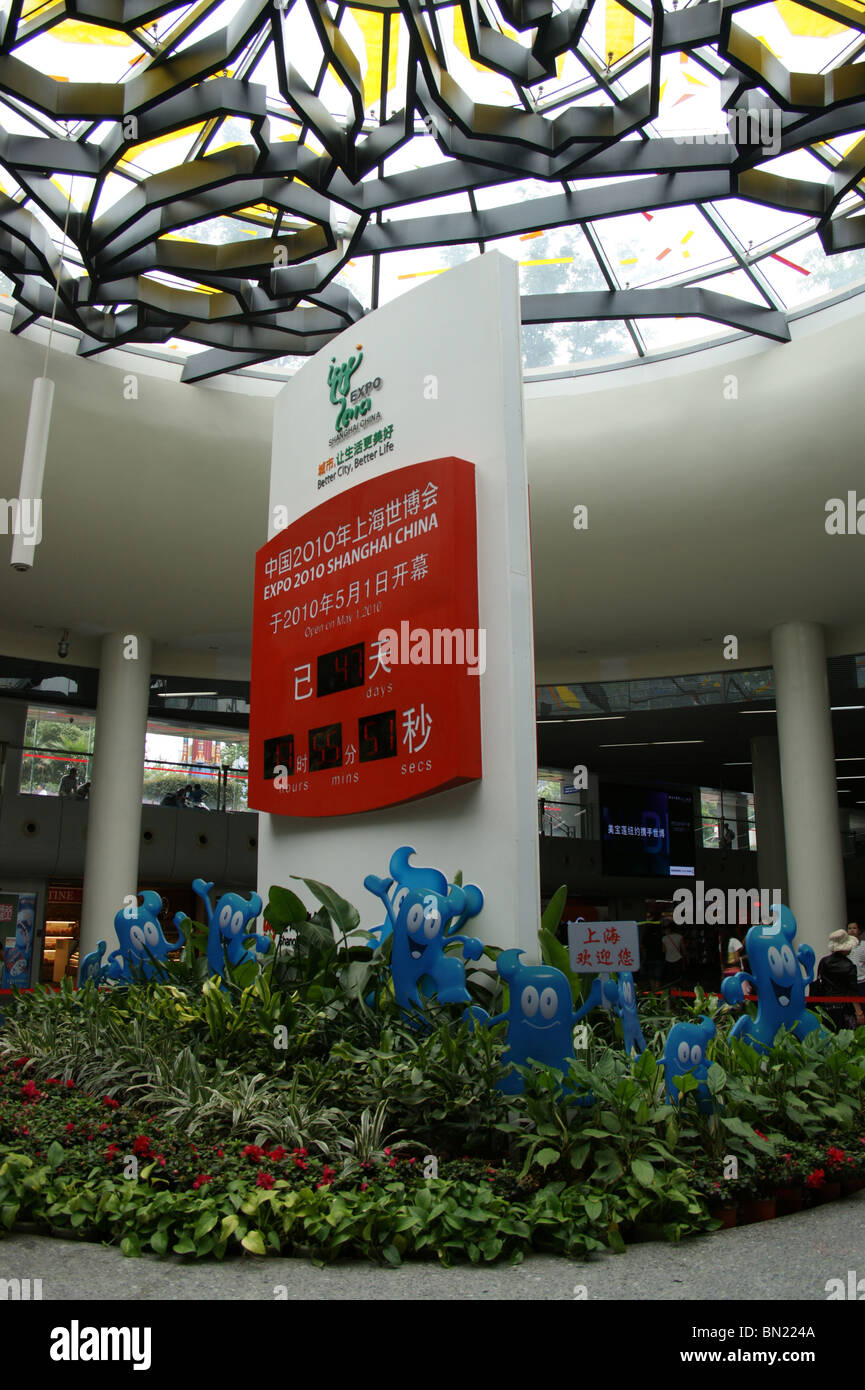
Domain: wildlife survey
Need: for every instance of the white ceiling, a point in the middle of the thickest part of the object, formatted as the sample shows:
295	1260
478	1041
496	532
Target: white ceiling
706	514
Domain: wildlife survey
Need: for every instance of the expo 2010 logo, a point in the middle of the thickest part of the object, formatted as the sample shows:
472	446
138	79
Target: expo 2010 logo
355	402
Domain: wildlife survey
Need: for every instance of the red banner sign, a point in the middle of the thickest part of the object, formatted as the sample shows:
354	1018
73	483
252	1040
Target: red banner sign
366	653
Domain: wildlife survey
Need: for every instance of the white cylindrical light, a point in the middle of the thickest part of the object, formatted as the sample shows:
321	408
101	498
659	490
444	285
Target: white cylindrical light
32	472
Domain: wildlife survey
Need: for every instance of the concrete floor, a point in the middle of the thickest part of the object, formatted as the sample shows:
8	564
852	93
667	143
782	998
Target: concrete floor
789	1258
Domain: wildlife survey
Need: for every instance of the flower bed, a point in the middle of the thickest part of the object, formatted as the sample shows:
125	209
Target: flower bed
285	1113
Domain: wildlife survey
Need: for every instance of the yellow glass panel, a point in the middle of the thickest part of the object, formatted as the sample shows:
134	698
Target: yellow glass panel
372	27
620	32
461	39
805	23
185	133
75	31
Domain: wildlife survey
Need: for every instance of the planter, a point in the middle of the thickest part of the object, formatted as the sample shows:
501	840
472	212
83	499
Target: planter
788	1200
829	1192
728	1216
853	1185
758	1209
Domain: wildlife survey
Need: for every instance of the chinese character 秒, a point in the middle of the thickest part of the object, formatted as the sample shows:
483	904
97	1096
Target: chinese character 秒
416	724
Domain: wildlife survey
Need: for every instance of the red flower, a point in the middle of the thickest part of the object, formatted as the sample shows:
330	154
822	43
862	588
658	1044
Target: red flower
201	1180
391	1163
111	1103
759	1135
102	1128
141	1145
265	1180
111	1151
301	1163
30	1091
302	1152
160	1160
411	1161
253	1153
70	1127
327	1176
220	1153
277	1154
70	1085
21	1061
816	1179
836	1155
364	1186
387	1151
52	1081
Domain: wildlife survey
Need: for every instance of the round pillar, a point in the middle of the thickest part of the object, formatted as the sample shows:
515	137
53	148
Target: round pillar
769	815
114	816
815	868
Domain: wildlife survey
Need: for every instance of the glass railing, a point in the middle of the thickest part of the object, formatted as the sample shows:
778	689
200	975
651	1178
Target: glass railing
194	785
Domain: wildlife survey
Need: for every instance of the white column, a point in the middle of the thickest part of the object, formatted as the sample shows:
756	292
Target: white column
815	868
769	815
114	817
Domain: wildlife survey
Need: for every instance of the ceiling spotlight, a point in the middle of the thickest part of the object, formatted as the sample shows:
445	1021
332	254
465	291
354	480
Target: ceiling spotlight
63	644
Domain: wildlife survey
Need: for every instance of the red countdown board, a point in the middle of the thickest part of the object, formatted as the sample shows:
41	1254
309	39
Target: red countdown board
341	719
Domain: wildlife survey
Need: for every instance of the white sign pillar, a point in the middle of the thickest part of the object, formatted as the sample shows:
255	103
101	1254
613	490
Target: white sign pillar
446	366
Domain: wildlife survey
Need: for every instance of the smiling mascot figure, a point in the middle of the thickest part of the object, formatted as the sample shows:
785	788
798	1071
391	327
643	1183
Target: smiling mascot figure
779	982
540	1017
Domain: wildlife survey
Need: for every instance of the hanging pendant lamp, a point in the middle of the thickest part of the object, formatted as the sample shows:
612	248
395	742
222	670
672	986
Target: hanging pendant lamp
36	443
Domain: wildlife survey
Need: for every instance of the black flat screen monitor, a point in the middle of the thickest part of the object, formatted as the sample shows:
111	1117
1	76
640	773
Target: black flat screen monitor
646	832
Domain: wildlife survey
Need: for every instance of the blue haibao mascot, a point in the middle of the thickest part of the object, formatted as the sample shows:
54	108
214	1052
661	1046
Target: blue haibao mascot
779	982
228	924
425	913
540	1017
685	1051
143	947
622	995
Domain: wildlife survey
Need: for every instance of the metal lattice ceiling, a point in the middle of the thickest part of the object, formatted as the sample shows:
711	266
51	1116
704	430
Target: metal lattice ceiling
242	180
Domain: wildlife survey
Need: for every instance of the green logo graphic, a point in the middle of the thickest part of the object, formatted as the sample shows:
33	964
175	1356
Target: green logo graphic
358	403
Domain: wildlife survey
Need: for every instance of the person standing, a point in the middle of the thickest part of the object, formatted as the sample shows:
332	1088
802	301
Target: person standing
674	952
857	955
836	975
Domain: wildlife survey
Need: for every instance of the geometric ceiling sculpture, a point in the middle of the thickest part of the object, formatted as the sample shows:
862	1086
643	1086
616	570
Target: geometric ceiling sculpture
241	180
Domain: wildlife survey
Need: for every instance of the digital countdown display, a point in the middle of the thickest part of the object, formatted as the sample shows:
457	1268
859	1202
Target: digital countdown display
366	652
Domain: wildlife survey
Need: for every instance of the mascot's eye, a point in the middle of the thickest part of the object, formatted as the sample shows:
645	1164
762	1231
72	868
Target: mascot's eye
399	898
696	1054
775	966
684	1053
789	961
136	937
529	1001
431	924
151	933
549	1003
415	917
225	915
237	922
